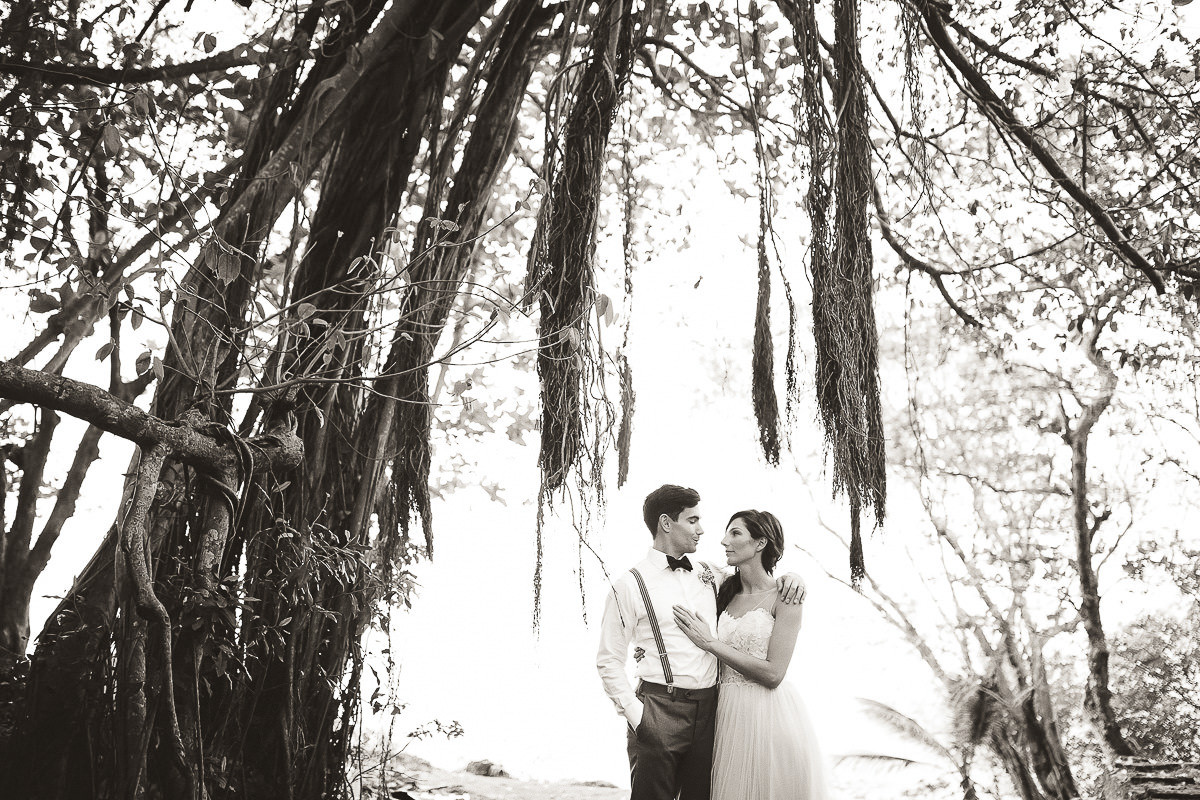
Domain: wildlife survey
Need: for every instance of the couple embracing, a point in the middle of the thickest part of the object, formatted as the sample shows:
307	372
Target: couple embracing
710	717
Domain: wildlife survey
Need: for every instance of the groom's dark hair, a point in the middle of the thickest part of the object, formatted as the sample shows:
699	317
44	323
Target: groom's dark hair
667	499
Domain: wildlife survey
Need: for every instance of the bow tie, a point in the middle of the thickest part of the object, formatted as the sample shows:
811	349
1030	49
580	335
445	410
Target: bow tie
679	563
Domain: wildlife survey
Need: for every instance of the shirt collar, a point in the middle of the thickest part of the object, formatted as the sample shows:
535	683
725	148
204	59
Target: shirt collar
658	558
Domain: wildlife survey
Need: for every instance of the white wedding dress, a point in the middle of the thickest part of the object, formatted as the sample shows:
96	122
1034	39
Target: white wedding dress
765	747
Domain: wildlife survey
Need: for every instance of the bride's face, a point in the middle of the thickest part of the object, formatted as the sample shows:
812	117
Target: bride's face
739	545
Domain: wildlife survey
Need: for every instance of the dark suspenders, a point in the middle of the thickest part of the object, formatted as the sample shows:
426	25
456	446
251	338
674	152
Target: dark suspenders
658	639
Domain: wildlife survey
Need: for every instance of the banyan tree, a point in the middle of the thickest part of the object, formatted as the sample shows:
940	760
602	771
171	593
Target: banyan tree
302	213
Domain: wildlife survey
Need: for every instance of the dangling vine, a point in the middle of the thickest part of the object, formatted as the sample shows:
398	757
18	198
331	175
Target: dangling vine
847	372
624	370
562	268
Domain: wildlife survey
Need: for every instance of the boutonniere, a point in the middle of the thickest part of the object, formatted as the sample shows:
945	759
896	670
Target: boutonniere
707	577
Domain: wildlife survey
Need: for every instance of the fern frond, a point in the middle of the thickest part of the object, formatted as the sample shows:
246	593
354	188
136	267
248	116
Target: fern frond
904	725
882	761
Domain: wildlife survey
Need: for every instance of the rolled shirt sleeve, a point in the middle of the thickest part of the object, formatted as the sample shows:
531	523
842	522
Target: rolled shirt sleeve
616	632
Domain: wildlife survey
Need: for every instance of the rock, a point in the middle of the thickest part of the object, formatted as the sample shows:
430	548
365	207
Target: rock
488	769
411	763
597	784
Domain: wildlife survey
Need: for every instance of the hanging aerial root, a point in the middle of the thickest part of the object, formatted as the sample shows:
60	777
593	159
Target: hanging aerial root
440	264
562	269
625	431
624	370
135	548
766	404
843	302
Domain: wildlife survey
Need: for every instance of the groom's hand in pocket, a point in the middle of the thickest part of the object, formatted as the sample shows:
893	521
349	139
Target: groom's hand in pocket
633	715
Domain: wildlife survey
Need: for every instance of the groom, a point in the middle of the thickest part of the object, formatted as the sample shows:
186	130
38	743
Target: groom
671	717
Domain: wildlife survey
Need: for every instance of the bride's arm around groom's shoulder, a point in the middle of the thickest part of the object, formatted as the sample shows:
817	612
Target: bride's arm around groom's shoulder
769	671
792	589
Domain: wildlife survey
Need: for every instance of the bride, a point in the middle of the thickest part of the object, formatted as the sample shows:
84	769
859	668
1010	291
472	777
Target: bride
765	745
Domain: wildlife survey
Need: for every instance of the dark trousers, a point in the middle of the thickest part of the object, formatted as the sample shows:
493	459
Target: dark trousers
670	754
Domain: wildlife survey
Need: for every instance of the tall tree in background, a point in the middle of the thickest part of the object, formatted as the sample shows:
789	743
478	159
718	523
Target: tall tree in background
990	441
253	203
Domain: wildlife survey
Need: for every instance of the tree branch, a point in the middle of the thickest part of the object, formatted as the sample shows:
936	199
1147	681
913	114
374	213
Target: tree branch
994	50
86	308
274	450
715	83
911	260
60	74
37	451
1089	584
990	103
64	503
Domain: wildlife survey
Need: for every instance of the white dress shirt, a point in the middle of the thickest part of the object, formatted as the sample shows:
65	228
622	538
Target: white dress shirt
626	621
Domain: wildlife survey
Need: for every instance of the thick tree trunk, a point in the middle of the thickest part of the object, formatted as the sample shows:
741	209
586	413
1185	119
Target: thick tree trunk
208	316
283	729
14	620
212	646
369	174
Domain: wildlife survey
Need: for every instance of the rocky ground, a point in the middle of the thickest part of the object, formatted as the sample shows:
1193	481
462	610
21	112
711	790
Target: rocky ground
411	778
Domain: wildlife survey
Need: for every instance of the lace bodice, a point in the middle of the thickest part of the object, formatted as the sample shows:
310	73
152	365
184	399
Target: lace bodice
749	634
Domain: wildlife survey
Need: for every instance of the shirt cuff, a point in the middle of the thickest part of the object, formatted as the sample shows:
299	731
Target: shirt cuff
633	713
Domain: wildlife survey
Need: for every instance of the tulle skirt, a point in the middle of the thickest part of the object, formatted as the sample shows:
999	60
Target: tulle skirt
765	747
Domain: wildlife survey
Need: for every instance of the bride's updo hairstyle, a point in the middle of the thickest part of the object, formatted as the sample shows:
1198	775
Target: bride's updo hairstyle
760	525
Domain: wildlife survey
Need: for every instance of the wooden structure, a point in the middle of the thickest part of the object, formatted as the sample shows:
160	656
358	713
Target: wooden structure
1141	779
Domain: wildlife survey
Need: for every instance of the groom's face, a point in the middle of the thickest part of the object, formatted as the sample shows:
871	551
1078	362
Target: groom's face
682	534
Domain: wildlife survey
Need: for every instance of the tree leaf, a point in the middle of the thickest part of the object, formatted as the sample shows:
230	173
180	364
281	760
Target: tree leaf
111	137
157	365
305	310
143	104
209	43
42	303
227	268
105	350
604	309
144	362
